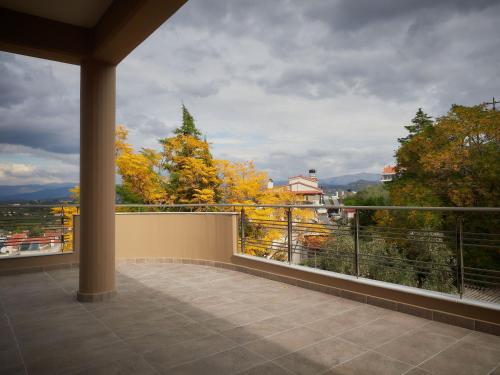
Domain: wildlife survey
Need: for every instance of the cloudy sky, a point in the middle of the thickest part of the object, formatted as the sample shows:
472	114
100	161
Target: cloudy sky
290	84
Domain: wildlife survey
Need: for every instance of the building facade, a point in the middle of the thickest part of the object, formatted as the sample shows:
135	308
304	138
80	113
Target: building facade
388	173
307	187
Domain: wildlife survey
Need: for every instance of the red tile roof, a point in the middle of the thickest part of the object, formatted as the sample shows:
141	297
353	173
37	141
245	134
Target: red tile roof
389	169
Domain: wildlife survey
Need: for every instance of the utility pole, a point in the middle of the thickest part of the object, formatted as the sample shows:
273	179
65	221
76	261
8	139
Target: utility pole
492	103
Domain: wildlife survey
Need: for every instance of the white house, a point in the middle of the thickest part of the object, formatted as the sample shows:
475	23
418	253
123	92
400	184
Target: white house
308	187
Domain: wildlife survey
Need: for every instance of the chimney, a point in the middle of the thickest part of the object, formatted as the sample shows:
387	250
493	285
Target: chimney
270	183
312	173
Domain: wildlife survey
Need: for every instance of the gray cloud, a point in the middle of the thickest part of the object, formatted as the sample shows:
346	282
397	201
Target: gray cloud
148	126
336	161
290	84
37	108
72	160
201	89
20	174
392	49
356	14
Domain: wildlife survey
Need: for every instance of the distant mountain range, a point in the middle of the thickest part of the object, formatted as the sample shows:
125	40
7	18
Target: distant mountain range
26	193
55	192
350	178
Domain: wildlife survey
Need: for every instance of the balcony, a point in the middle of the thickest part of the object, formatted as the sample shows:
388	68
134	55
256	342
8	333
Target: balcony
208	292
194	295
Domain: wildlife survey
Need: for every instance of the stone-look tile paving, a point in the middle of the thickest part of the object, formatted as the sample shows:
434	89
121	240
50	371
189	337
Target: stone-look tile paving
191	319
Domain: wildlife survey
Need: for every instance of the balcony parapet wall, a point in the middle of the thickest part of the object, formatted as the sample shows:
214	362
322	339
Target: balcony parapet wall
187	235
150	235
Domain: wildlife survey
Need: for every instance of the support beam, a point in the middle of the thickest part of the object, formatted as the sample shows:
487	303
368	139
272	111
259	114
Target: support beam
123	26
127	23
43	38
97	181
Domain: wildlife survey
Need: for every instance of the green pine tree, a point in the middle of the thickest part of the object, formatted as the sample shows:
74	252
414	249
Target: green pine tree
420	122
188	126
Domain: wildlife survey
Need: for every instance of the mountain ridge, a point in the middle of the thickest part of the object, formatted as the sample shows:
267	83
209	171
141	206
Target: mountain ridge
60	191
350	178
35	192
343	180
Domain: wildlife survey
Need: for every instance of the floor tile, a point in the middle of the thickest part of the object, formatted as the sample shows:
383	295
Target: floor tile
416	347
53	363
251	332
417	371
237	319
307	314
10	361
168	337
336	324
285	342
483	339
227	362
463	358
135	366
165	358
374	333
496	371
370	363
446	329
268	368
319	357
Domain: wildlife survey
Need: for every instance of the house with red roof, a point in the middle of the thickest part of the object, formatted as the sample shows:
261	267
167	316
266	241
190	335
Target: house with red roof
388	173
22	242
307	187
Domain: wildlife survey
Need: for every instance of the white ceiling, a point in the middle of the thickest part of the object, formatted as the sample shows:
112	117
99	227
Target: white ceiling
83	13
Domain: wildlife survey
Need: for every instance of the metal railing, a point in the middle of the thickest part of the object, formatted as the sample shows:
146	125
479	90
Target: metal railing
27	230
446	254
453	250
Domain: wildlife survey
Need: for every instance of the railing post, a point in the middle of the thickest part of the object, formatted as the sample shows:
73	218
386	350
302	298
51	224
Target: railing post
242	230
62	229
290	233
356	243
460	256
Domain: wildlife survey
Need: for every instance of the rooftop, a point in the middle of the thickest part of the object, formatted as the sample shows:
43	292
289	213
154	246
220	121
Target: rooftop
389	169
193	319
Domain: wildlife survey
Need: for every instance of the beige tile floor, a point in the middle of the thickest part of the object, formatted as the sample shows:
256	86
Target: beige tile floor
190	319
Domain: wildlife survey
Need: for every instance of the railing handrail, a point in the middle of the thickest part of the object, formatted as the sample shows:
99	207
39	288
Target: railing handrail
302	206
290	247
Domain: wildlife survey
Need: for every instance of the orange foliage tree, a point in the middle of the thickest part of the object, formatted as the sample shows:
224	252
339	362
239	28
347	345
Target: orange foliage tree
139	171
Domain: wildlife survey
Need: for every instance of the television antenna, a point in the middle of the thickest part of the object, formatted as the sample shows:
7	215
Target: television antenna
492	103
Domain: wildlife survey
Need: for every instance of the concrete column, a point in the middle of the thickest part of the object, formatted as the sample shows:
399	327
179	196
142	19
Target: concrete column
97	181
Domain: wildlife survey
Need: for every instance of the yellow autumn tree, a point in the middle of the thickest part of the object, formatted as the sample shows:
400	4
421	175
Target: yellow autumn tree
266	227
141	180
240	181
75	194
